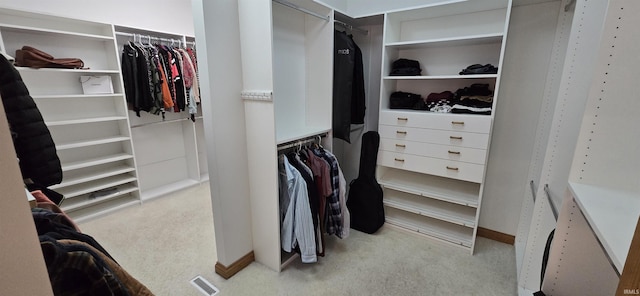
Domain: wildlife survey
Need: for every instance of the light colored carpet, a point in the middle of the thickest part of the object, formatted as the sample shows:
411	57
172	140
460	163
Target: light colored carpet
168	241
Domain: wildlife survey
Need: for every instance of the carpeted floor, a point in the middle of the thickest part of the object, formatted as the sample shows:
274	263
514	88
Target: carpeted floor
166	242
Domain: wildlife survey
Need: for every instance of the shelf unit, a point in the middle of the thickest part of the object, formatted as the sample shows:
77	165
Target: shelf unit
432	165
181	160
287	77
601	204
91	131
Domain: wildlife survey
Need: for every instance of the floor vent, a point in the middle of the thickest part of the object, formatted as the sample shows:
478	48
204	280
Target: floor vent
204	286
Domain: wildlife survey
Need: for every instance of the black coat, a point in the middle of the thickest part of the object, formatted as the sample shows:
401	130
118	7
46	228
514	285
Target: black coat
31	138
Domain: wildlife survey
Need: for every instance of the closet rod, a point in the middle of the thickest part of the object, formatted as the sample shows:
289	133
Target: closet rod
302	141
553	206
296	7
153	37
533	190
159	122
351	27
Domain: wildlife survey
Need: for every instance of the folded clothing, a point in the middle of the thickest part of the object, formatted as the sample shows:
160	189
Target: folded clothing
476	101
403	100
445	95
479	69
405	67
476	89
461	109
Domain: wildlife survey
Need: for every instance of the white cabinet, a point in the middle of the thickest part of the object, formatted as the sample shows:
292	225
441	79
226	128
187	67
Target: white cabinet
432	165
287	76
91	131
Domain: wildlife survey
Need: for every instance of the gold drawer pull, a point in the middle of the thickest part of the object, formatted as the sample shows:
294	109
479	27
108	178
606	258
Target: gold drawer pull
455	138
452	168
399	159
458	122
401	145
403	119
401	132
454	152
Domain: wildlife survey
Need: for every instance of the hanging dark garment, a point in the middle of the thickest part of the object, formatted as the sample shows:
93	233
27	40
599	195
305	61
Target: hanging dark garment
358	98
343	66
32	140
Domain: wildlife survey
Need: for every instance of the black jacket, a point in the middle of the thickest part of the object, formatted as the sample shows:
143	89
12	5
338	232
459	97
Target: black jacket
348	86
31	138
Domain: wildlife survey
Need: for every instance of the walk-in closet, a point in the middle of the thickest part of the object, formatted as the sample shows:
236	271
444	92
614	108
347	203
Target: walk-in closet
211	147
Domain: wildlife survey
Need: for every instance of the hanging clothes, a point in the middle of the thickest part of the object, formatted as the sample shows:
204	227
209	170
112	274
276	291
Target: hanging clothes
348	85
297	226
160	78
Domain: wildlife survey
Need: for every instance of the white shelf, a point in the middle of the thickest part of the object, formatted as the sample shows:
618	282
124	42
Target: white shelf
446	42
19	28
95	176
90	143
96	185
59	70
424	206
76	203
445	231
103	206
85	120
76	96
612	214
437	77
445	189
95	161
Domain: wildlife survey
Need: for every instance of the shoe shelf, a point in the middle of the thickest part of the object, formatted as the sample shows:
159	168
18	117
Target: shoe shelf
429	186
96	185
448	232
428	207
70	181
95	161
91	131
85	120
79	144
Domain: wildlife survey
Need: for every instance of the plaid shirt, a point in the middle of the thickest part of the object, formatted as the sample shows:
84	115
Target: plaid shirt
334	213
74	272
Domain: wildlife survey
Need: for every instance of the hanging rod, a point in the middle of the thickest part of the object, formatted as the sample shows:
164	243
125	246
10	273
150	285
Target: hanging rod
296	7
159	122
301	141
568	6
351	27
153	37
533	190
553	206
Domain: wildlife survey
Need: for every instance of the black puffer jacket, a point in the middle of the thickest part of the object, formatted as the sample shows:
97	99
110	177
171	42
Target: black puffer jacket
31	138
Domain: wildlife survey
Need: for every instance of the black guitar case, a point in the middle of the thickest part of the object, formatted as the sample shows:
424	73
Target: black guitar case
365	194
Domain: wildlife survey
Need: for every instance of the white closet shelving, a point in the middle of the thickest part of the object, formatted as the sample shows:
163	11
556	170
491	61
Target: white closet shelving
91	131
287	76
170	153
432	165
602	200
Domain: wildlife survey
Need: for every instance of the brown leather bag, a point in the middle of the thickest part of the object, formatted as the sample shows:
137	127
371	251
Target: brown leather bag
32	57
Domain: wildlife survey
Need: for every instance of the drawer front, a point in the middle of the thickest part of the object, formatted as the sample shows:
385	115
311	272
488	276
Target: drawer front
439	121
447	152
452	138
446	168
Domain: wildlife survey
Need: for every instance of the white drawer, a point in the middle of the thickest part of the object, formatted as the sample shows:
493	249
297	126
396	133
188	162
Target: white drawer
464	154
446	168
452	138
440	121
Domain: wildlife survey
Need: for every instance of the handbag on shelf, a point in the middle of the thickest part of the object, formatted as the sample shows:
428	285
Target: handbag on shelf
34	58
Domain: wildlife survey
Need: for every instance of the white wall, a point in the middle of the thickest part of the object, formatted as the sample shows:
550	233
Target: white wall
171	16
